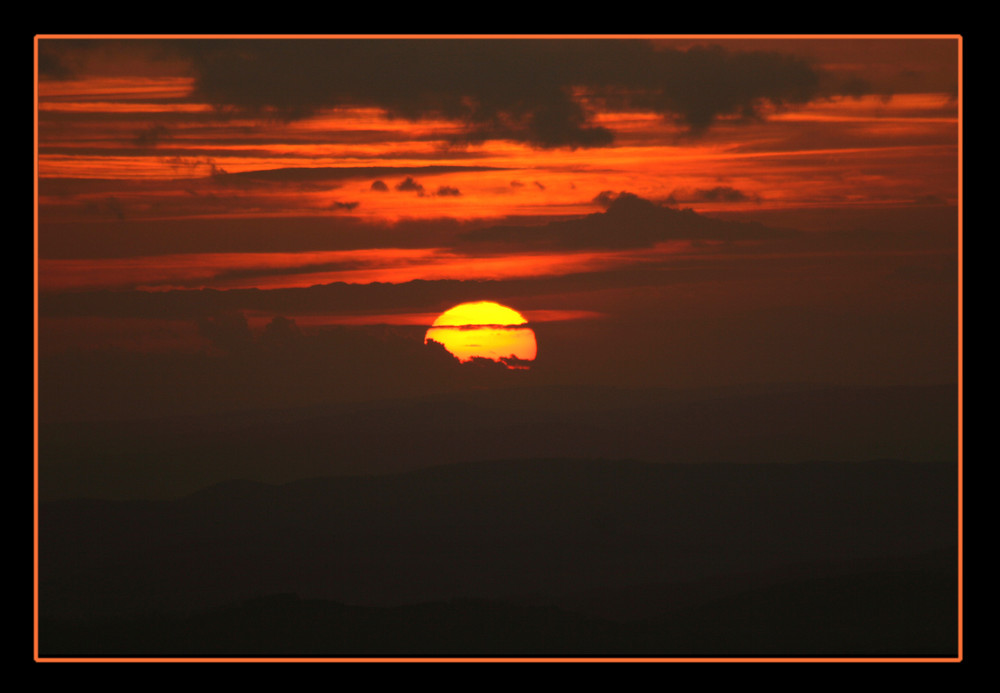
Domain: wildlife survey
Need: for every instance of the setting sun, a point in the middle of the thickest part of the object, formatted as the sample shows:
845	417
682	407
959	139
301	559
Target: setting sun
484	329
743	256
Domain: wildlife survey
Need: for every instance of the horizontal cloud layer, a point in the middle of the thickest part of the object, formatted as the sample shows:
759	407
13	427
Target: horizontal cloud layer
629	222
524	90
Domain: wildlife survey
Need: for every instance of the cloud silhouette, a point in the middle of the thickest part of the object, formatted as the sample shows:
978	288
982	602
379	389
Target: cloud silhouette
151	136
500	89
438	295
380	186
52	65
110	206
344	206
447	191
227	330
334	173
280	335
628	222
410	185
516	363
605	198
139	237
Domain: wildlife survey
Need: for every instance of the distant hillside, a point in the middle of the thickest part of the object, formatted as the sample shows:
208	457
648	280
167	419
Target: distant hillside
167	458
901	614
577	534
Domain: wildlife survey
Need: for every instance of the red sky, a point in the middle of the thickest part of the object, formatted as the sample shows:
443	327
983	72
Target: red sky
410	175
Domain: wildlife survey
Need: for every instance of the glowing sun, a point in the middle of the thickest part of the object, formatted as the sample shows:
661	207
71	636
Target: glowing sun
485	330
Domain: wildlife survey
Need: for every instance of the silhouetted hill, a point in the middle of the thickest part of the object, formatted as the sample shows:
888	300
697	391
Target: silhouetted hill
888	613
638	602
167	458
570	533
897	612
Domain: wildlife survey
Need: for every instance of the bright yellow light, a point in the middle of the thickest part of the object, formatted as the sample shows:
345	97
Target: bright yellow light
478	314
485	330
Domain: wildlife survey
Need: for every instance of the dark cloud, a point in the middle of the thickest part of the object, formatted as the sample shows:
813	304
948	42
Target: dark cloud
282	367
410	185
331	173
499	89
855	86
447	191
920	219
516	184
605	198
344	206
132	237
151	136
109	207
228	331
197	164
481	363
280	335
514	362
380	186
628	222
539	185
871	247
265	271
416	295
51	65
721	193
164	149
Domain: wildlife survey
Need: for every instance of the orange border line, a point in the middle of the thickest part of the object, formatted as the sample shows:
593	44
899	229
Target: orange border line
959	658
499	36
36	354
503	659
960	363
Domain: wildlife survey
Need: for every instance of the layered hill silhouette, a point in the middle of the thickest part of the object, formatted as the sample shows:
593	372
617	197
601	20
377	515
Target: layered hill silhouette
528	557
877	614
167	458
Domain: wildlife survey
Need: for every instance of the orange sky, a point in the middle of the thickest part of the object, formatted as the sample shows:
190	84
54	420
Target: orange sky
172	166
863	151
154	145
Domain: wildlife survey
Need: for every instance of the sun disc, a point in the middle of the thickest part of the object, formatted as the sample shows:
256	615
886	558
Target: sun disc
486	330
479	313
